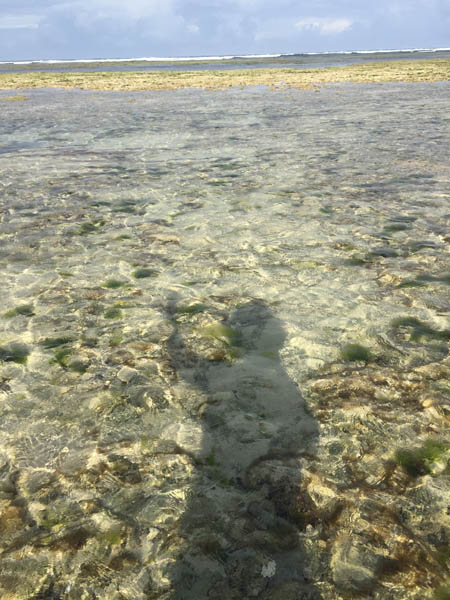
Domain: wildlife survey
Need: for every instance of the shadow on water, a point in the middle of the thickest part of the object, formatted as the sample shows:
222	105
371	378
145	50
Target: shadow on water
241	528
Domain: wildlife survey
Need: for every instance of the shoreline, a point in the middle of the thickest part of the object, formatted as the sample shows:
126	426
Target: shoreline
406	71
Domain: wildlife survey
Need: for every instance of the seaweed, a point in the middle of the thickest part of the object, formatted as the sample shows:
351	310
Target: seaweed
411	283
115	340
113	284
62	357
355	353
384	252
144	272
394	227
221	332
49	343
417	462
89	227
14	352
113	313
442	593
25	310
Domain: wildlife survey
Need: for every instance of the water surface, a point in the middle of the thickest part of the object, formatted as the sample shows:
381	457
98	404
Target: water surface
185	279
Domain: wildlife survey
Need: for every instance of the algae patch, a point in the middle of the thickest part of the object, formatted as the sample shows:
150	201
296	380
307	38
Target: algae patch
14	352
417	462
26	310
355	353
222	333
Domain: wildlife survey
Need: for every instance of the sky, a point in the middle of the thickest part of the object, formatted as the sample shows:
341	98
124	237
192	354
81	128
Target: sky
69	29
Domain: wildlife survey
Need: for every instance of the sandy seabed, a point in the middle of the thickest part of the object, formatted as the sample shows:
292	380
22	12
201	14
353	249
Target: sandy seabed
224	365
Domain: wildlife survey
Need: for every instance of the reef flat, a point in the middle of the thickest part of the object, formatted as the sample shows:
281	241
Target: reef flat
370	72
224	364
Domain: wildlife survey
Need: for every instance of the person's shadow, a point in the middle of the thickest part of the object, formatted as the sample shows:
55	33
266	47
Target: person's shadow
241	529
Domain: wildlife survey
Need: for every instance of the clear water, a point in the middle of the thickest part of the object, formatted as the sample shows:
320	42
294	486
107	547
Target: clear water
191	265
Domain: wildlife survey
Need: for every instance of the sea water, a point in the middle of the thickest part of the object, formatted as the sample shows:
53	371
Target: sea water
225	342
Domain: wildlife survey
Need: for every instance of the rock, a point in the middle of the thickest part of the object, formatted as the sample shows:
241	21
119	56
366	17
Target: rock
353	567
126	374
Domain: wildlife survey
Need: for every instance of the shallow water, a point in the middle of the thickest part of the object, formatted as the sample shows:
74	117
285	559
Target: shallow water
181	274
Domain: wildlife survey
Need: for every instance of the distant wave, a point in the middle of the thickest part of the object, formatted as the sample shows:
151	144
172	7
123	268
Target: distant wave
213	58
142	59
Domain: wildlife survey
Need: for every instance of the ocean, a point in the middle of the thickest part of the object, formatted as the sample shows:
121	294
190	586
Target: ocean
300	61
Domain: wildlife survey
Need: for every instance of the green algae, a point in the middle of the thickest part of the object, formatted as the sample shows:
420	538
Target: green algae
355	353
25	310
411	283
78	366
384	253
222	333
417	462
61	357
442	593
113	284
111	537
14	352
115	340
89	227
144	272
113	313
394	227
49	343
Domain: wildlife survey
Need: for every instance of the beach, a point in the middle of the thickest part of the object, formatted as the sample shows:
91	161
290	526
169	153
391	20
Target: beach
224	367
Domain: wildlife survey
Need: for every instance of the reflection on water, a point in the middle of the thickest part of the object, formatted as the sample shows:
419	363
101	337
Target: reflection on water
224	358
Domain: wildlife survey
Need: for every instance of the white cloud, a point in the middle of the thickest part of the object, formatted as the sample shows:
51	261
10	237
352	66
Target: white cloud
19	22
192	28
323	25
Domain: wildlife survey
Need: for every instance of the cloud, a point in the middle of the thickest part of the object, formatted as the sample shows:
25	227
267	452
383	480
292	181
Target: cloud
325	26
19	22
